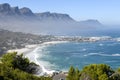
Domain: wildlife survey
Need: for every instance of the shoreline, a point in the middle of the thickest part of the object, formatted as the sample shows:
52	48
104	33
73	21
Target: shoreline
27	49
34	55
30	52
31	47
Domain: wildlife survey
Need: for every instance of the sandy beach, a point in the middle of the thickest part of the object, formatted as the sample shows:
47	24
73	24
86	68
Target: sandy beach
30	52
30	48
27	49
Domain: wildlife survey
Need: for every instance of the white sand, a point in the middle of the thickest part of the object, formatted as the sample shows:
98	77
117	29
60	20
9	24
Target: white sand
30	48
27	49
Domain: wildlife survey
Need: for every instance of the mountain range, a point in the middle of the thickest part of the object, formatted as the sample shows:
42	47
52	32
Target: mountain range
7	11
24	20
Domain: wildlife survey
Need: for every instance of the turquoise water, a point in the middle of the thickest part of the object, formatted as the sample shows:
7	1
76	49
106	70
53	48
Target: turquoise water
61	56
78	54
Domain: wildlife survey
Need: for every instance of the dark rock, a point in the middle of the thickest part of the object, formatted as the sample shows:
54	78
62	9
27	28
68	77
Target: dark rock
5	9
54	16
15	10
26	11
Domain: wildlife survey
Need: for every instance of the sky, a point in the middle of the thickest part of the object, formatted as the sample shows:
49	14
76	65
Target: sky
106	11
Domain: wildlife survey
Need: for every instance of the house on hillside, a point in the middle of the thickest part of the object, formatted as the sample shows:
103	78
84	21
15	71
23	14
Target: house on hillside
59	76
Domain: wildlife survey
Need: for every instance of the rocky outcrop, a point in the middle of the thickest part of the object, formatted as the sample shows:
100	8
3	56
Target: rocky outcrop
26	12
54	16
7	10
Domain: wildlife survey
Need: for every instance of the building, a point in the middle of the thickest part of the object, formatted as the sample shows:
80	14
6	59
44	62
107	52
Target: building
59	76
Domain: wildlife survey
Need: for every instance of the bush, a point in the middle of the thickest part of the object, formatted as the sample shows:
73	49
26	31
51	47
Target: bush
16	67
91	72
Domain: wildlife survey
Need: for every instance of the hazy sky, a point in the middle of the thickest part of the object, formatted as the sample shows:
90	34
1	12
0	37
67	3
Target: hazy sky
106	11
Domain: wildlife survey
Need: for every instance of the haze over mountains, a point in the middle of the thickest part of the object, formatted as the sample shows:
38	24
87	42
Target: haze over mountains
24	20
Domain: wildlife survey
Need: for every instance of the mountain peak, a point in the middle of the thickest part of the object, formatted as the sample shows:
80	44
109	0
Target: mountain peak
27	14
26	11
91	22
5	9
15	10
5	6
54	16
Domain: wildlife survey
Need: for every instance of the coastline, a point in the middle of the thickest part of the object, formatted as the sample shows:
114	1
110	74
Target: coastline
27	49
30	48
30	52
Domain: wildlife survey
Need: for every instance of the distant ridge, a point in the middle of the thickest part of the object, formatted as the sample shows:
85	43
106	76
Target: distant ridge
54	16
7	10
17	19
91	22
26	11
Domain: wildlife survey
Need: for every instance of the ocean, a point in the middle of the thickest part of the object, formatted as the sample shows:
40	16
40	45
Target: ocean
60	56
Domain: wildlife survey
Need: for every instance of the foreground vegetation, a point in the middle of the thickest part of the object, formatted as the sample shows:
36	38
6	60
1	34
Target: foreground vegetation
94	72
16	67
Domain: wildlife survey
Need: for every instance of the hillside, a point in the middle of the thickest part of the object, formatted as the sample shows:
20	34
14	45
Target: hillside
17	40
17	67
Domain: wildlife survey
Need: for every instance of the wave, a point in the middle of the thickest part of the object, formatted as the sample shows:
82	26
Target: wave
102	38
112	61
34	55
37	54
100	54
101	44
45	66
117	39
106	38
84	49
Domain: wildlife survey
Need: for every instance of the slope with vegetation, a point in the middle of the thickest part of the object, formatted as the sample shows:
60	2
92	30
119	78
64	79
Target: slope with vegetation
17	67
94	72
17	40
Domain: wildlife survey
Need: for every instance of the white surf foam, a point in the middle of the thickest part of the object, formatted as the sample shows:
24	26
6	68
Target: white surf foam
100	44
84	49
112	61
37	53
100	54
33	56
101	38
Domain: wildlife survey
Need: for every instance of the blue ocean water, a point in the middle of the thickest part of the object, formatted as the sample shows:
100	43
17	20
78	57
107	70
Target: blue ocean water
62	56
78	54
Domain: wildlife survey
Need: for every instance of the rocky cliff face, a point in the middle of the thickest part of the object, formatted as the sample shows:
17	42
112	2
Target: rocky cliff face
7	10
26	12
54	16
